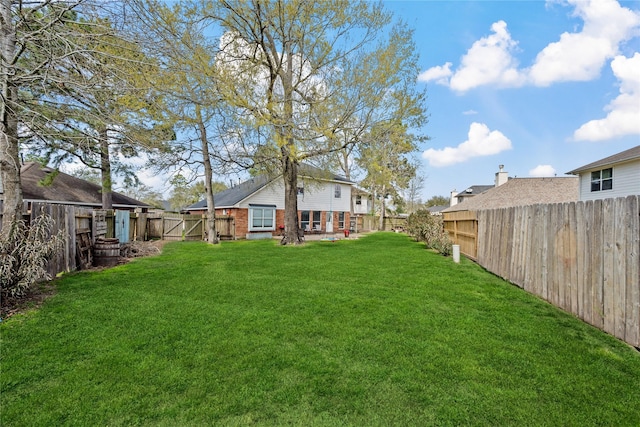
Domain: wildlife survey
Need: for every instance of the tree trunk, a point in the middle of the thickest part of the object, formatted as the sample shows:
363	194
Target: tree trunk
292	232
382	208
212	235
9	157
105	170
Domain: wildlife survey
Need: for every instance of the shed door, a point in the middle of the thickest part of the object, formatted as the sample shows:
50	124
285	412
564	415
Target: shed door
122	226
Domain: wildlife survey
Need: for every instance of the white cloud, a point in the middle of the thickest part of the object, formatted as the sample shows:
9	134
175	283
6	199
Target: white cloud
624	111
481	142
469	112
577	56
488	61
439	73
542	171
581	55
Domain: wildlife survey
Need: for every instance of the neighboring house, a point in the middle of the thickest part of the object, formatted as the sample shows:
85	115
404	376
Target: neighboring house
522	192
467	194
437	210
362	201
67	190
257	205
501	177
614	176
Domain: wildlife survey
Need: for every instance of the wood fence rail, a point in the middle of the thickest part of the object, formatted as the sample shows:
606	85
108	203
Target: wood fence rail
583	257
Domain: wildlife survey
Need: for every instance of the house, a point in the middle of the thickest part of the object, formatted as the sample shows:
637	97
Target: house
65	189
614	176
501	177
257	205
437	210
522	192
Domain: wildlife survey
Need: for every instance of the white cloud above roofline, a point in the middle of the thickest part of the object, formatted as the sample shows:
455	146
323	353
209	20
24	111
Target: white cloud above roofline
623	117
481	142
542	171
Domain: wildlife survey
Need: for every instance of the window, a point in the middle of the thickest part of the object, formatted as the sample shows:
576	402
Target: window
337	192
304	220
340	220
261	217
358	200
316	220
602	180
300	191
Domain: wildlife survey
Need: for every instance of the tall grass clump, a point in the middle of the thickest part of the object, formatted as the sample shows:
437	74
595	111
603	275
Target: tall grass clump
24	253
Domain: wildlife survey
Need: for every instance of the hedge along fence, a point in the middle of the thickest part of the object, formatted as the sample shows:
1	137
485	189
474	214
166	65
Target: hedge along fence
583	257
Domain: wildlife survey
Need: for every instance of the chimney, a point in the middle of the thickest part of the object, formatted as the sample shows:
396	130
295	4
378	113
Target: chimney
501	176
454	200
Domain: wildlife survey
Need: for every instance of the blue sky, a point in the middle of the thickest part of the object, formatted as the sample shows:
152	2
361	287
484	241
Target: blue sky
540	87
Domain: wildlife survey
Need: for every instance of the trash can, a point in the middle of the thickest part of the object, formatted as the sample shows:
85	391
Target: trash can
346	233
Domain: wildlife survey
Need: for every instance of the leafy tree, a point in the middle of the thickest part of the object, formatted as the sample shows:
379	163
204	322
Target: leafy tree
87	174
437	201
308	79
107	113
25	32
384	158
185	193
144	193
189	81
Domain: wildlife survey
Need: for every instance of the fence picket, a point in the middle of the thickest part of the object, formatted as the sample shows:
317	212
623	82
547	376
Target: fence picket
632	309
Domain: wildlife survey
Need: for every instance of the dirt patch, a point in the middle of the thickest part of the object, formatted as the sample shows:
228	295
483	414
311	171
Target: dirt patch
40	292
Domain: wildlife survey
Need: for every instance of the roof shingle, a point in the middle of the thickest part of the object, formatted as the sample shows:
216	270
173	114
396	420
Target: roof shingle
522	192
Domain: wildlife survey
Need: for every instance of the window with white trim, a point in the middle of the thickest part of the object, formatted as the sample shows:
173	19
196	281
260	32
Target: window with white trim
304	221
340	220
316	220
337	192
262	218
602	180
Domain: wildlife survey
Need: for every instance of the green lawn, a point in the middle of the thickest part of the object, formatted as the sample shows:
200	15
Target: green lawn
376	331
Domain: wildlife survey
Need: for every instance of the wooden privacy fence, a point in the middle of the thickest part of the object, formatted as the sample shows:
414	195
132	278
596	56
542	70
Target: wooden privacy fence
462	227
583	257
73	220
79	224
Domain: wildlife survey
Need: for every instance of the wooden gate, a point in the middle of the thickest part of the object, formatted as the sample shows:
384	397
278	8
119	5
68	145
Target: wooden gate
182	227
193	227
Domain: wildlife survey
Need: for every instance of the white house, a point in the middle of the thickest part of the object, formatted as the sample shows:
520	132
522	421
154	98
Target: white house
614	176
257	205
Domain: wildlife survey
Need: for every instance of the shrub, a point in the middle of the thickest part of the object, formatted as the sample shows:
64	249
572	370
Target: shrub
428	228
24	253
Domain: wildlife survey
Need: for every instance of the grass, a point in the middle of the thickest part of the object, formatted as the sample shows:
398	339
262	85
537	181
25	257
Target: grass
376	331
